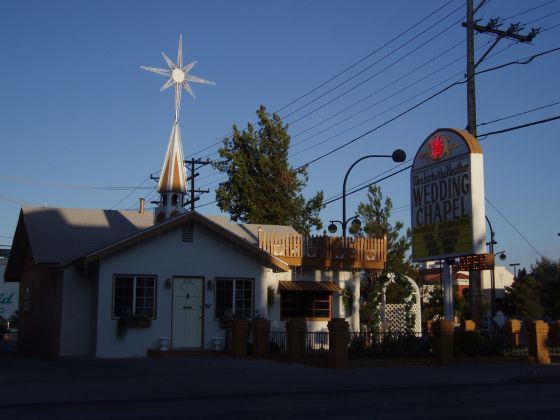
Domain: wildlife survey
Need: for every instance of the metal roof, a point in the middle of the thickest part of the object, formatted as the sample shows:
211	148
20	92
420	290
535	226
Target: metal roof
60	236
57	235
250	231
307	286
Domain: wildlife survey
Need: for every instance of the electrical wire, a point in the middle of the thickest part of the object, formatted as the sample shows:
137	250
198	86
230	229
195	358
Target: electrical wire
346	69
355	189
130	193
521	126
362	59
527	61
427	62
543	17
336	98
530	10
514	228
518	114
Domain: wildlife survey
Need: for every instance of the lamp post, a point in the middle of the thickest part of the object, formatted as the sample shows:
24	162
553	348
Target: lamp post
492	274
514	265
398	155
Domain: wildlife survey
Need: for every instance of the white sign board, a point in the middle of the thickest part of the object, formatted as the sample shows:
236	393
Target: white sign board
447	196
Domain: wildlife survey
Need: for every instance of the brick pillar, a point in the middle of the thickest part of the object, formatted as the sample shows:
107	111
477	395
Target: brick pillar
296	329
338	343
430	326
239	329
443	340
513	332
468	325
261	328
538	336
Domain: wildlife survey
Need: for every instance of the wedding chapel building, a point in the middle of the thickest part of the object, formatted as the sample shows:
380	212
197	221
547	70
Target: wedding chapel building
172	273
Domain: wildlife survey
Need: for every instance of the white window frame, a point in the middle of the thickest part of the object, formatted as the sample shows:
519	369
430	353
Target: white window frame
135	278
233	280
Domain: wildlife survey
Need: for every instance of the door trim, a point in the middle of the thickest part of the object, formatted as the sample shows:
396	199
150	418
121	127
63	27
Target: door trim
203	308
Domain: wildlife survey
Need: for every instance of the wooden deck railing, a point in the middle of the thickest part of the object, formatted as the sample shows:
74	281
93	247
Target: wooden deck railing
326	251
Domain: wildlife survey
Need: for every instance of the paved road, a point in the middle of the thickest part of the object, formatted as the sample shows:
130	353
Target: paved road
217	386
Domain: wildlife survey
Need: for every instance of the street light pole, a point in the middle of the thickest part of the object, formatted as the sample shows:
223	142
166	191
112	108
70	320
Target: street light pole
492	275
398	156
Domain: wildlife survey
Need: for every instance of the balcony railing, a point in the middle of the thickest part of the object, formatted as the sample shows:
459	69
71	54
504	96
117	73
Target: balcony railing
326	251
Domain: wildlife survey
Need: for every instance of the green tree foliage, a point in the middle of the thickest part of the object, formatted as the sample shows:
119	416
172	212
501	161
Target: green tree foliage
521	300
375	216
547	274
432	304
261	185
370	305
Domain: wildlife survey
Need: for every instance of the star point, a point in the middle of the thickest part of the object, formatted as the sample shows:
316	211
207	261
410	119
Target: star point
178	76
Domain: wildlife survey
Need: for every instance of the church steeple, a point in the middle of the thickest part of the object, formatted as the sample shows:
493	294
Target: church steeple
172	186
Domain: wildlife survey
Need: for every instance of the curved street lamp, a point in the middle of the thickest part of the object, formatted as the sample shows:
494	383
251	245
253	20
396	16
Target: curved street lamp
398	155
502	257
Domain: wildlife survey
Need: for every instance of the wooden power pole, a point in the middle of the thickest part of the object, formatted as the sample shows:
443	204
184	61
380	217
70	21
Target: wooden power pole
193	166
492	27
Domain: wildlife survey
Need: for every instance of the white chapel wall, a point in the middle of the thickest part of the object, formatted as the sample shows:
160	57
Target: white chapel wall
76	313
165	256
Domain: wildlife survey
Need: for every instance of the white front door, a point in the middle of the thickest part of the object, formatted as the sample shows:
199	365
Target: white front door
187	312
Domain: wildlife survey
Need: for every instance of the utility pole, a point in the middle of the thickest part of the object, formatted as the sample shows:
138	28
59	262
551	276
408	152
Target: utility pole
492	27
192	166
471	89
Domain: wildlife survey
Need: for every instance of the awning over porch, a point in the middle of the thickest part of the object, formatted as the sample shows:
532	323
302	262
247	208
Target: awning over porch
308	286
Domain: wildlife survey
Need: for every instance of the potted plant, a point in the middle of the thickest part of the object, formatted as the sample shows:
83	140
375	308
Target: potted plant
135	320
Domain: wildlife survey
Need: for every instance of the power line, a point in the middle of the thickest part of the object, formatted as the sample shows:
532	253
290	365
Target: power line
362	59
530	10
352	190
383	100
427	62
519	114
62	185
130	193
505	130
413	50
340	73
425	43
367	186
514	228
527	61
385	111
543	17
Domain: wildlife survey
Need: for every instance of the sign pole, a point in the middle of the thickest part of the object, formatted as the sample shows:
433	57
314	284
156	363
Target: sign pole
447	290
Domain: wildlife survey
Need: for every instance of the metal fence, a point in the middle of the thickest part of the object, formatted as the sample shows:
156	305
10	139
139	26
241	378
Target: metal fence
277	342
553	347
316	342
489	343
389	345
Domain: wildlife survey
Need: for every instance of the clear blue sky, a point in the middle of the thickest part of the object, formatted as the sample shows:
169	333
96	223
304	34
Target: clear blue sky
76	110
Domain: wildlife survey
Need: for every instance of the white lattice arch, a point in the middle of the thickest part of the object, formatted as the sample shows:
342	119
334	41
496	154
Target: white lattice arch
393	316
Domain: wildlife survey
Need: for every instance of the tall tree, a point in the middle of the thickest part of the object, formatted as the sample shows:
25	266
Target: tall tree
261	185
547	273
521	300
375	215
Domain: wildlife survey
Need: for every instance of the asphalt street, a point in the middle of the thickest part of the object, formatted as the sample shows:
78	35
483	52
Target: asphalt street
218	386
